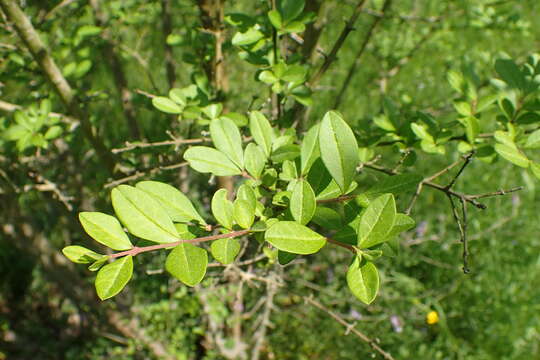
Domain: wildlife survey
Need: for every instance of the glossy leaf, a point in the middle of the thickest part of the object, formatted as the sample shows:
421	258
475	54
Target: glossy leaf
377	221
225	250
294	238
261	131
80	255
142	215
254	160
222	209
363	281
112	278
105	229
227	139
187	263
339	149
209	160
303	202
244	213
177	205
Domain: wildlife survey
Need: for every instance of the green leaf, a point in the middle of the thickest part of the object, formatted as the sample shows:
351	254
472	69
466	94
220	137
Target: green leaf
227	139
175	203
402	223
290	9
303	202
187	263
339	150
246	192
142	215
396	184
309	151
105	229
327	218
222	208
294	238
533	141
244	213
209	160
261	131
112	278
213	110
363	281
285	257
510	73
252	35
285	152
377	221
275	19
512	154
178	96
96	265
80	255
166	105
225	250
254	160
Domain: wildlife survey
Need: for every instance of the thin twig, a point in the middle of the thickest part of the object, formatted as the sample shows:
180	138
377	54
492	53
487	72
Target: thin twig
141	145
350	327
143	173
343	245
349	26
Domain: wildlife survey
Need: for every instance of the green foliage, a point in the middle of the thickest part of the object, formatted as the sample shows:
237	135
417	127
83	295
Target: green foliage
316	151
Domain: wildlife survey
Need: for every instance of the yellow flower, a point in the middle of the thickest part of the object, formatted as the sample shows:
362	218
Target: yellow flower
432	318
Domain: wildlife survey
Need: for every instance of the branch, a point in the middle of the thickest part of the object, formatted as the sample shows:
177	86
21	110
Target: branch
140	174
349	327
141	145
30	37
9	107
349	26
343	245
138	250
358	56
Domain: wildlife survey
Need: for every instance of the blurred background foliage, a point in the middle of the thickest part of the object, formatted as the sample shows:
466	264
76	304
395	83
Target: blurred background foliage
48	308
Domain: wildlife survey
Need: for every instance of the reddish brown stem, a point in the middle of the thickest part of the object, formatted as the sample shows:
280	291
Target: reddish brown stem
137	250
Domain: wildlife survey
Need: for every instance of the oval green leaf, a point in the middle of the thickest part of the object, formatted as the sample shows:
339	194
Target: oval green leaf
254	160
294	238
187	263
175	203
309	150
377	221
105	229
339	149
222	209
303	202
112	278
142	215
363	281
166	105
225	250
244	213
512	154
209	160
80	255
227	139
261	131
